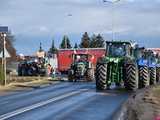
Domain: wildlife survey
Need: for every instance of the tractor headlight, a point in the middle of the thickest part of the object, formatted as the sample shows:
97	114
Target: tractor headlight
116	60
89	65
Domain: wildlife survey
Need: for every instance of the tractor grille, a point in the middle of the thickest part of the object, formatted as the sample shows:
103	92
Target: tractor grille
80	70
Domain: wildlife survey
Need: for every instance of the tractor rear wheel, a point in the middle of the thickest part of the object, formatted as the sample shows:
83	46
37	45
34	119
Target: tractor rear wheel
158	74
143	76
131	81
90	75
101	76
152	75
70	76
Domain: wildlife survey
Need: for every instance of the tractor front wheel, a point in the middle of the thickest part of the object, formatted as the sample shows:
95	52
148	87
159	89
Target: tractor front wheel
143	77
152	75
158	74
131	76
70	76
101	76
90	75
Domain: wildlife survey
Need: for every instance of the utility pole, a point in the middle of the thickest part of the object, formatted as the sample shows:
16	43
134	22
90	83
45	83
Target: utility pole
4	53
4	57
113	15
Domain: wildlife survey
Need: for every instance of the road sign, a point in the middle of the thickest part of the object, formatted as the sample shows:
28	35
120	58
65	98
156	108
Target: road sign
6	54
3	29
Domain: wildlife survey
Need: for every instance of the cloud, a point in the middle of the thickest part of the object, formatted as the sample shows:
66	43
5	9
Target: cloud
132	18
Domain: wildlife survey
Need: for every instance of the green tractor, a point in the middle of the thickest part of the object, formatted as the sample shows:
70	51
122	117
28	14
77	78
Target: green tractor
118	68
81	67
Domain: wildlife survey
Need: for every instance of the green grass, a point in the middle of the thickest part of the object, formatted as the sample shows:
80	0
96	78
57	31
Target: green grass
1	74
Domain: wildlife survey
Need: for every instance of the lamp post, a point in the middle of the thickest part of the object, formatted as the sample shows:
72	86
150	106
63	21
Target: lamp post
112	2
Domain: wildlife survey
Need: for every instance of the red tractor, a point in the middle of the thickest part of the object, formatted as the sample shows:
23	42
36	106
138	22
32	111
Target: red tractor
81	67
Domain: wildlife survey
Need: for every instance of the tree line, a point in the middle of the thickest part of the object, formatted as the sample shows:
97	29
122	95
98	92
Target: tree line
95	41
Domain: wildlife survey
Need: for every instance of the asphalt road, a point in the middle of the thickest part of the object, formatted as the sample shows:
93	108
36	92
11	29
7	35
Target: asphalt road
62	101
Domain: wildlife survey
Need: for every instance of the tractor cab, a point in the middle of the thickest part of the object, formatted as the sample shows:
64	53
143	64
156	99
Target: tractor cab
118	48
150	57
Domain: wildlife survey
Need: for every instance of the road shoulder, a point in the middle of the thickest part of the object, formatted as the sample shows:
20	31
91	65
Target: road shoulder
27	85
142	105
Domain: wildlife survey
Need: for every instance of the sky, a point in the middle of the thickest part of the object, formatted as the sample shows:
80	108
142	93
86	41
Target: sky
35	21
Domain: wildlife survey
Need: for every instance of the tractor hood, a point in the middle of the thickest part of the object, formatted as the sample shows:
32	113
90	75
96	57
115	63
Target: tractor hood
80	63
114	59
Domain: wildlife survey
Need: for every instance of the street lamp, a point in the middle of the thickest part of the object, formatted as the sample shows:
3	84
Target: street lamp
112	2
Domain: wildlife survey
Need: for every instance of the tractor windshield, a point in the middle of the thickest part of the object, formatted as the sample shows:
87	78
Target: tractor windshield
116	50
81	58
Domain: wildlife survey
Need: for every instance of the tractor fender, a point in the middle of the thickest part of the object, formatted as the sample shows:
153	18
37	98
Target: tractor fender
101	60
71	71
129	60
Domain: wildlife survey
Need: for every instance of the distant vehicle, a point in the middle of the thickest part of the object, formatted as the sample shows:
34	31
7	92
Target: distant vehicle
65	60
149	67
31	68
81	68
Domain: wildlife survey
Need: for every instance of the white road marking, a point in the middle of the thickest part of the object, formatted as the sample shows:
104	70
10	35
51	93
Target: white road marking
40	104
5	102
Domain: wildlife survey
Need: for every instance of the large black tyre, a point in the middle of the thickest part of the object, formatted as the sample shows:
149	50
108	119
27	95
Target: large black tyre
152	75
131	76
101	76
143	76
96	71
70	76
90	75
158	74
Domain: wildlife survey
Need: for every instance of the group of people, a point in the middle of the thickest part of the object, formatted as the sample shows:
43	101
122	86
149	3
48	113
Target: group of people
51	71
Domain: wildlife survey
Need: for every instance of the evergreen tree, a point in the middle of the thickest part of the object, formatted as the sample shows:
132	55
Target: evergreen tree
76	45
93	42
100	41
85	41
68	43
65	43
97	41
53	49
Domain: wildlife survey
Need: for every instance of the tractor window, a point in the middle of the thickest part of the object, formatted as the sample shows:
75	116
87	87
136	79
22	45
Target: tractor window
81	58
116	50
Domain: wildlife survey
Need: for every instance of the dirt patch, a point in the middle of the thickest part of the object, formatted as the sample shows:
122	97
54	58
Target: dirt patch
142	105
